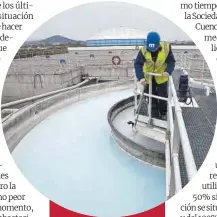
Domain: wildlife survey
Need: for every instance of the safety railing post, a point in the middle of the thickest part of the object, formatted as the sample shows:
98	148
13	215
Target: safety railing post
169	111
150	101
187	61
203	71
190	63
135	93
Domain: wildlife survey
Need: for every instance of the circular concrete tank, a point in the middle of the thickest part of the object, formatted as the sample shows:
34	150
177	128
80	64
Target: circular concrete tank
63	146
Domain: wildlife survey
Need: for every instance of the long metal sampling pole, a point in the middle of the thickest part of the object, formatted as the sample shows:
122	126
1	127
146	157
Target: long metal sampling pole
139	106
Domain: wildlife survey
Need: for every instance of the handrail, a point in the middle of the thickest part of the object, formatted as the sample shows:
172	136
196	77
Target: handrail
186	147
177	134
154	74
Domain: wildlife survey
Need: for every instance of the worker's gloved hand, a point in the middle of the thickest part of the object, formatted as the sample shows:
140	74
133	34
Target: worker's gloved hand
143	81
165	74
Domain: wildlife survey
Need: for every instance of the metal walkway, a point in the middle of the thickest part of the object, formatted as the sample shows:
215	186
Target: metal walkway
200	124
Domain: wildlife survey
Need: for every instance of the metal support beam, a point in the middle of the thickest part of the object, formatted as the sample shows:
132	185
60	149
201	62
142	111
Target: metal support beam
150	101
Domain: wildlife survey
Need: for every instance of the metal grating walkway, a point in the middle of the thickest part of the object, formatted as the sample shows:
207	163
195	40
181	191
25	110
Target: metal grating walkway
200	124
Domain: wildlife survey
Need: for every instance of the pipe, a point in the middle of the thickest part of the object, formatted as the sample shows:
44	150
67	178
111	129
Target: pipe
6	117
112	78
8	111
6	105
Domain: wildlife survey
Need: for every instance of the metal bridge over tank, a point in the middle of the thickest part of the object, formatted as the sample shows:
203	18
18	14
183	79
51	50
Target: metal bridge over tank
180	143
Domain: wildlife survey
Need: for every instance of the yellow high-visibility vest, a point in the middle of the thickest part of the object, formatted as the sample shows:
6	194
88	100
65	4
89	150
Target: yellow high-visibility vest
160	64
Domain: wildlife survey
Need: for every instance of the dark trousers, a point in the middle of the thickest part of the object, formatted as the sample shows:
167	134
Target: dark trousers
159	107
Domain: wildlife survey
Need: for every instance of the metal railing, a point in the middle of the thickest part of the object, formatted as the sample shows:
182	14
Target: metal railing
176	136
207	84
196	66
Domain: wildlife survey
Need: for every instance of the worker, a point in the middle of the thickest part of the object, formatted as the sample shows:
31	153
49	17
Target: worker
157	57
62	61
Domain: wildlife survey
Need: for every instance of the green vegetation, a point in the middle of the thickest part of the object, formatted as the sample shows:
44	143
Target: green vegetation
28	52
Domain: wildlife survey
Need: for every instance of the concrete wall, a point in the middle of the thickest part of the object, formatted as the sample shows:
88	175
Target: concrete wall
18	86
23	120
22	81
109	71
